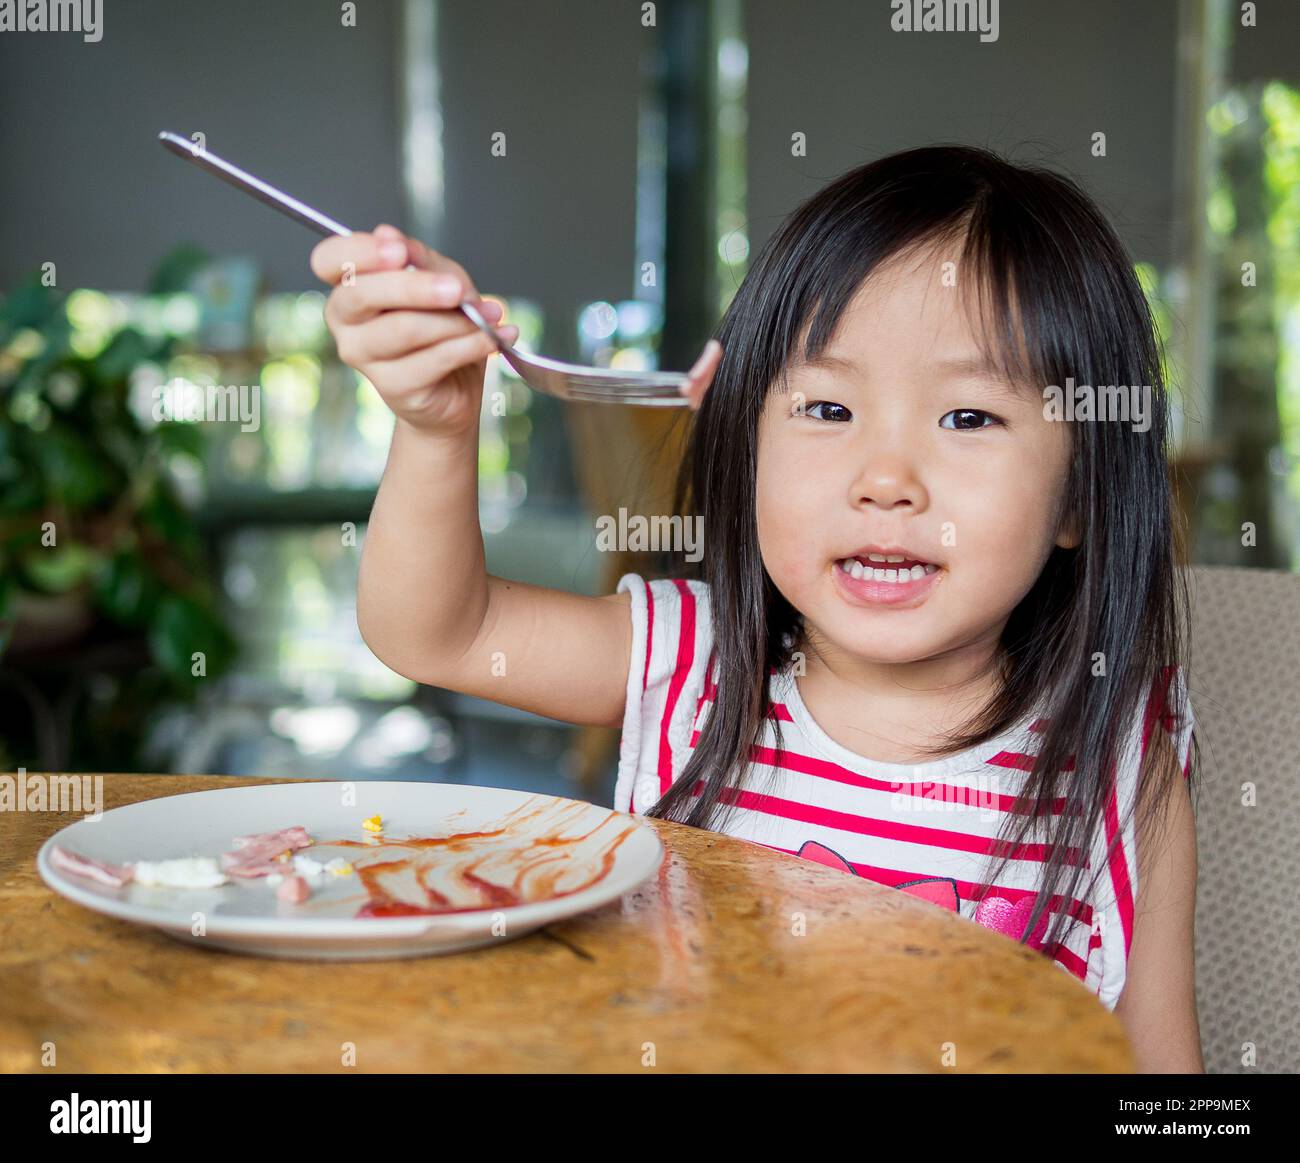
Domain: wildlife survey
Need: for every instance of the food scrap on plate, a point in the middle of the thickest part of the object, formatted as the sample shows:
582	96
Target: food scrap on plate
113	875
189	872
513	862
276	856
257	855
295	890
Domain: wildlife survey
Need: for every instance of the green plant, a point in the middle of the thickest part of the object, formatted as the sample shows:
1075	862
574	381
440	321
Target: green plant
89	515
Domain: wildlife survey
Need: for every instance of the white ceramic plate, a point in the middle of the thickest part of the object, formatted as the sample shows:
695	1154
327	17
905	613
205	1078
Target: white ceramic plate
539	855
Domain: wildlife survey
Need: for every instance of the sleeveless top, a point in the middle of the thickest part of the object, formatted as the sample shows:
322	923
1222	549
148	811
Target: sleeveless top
925	828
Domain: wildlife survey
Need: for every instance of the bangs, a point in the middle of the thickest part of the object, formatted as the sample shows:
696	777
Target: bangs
1008	345
1040	306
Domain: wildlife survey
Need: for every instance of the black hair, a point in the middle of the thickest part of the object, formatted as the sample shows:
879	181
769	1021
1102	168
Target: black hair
1058	297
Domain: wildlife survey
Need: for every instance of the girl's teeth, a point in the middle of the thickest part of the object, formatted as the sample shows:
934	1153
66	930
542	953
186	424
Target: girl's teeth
856	569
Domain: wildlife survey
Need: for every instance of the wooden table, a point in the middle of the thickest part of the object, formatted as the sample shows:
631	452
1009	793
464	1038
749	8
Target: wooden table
697	970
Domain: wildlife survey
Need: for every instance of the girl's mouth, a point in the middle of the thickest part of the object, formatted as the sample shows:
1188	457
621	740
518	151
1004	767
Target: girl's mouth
898	582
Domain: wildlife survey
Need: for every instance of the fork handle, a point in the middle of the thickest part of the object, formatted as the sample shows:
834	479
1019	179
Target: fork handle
288	205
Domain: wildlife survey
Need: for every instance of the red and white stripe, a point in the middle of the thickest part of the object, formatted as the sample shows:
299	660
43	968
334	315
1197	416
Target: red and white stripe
892	823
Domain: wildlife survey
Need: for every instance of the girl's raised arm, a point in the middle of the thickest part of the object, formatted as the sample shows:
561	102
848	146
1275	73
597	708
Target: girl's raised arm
426	604
429	609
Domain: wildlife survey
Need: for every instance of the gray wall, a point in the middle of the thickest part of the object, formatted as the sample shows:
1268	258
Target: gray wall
280	88
555	219
1270	50
1058	72
284	89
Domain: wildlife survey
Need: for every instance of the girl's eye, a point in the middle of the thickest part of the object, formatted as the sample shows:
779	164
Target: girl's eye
965	414
840	416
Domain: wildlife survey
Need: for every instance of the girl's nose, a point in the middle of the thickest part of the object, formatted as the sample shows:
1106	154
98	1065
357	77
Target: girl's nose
888	482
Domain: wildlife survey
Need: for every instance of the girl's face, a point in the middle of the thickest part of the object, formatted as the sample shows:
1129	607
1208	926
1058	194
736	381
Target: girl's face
891	442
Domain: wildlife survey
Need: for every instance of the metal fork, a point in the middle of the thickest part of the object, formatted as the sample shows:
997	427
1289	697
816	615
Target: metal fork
568	381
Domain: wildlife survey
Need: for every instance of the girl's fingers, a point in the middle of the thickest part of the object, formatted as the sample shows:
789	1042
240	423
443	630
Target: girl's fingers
434	364
338	257
701	374
387	248
429	259
395	334
391	290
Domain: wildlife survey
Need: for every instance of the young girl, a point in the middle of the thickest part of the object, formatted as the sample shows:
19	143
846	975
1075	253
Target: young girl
936	636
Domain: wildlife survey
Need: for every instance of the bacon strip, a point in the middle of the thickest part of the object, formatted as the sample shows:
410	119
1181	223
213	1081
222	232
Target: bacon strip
113	875
255	855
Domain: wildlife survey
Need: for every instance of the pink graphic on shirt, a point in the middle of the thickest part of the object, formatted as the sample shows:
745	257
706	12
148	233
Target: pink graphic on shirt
993	912
938	890
1010	917
811	850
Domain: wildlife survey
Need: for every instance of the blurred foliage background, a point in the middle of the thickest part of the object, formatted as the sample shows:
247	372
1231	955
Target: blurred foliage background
99	557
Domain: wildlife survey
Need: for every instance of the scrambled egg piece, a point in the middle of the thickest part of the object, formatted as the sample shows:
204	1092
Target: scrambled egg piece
190	872
373	824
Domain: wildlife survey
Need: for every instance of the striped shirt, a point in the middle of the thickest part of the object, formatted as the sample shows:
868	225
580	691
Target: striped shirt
926	828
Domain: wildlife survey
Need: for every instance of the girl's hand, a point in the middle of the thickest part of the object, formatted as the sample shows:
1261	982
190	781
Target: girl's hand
403	329
702	373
